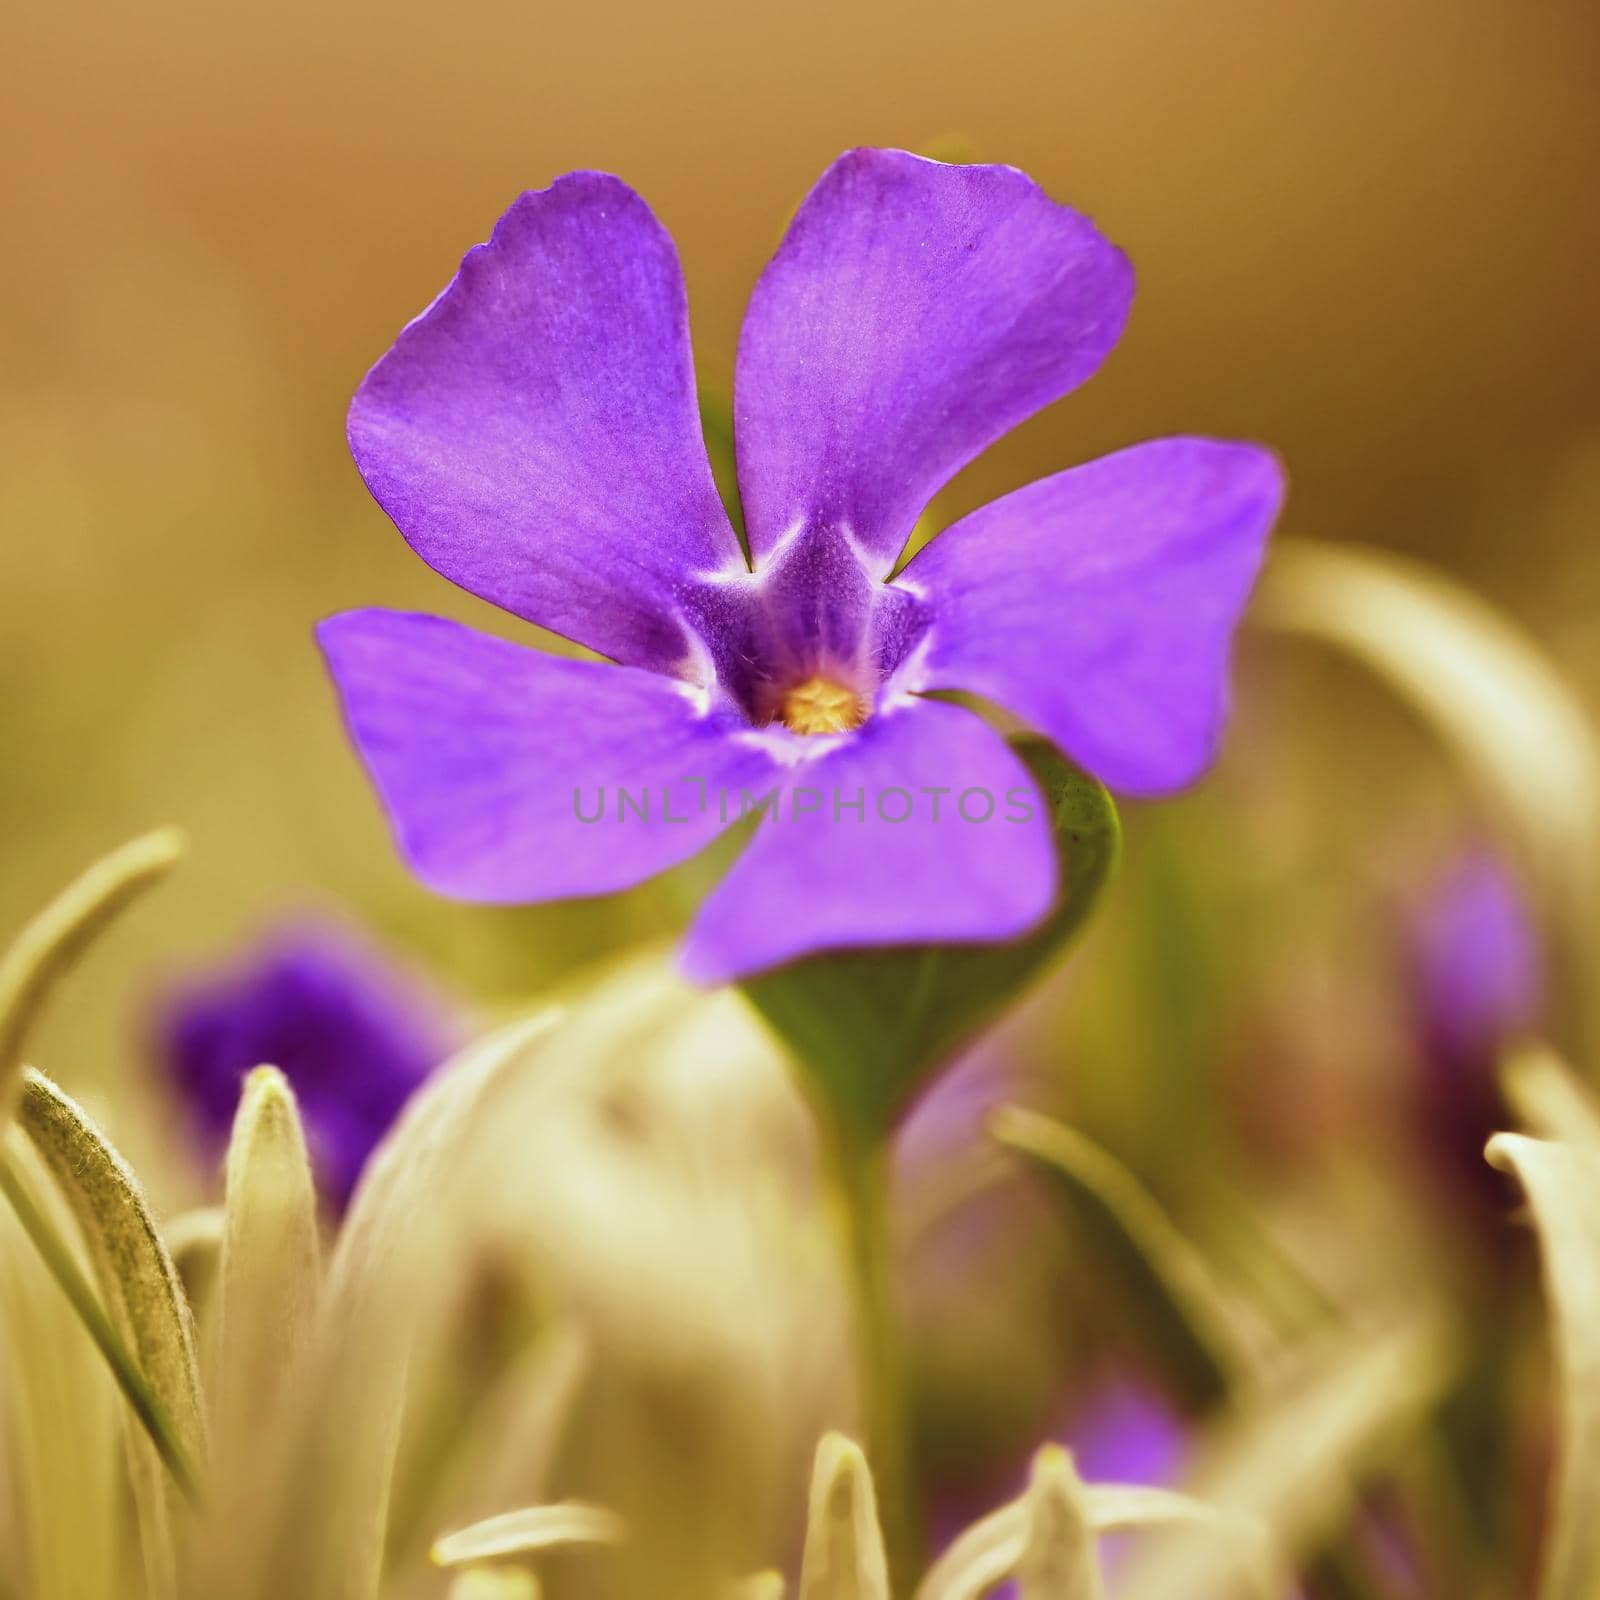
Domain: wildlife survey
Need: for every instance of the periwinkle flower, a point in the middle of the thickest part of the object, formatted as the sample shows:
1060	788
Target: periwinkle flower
534	435
353	1033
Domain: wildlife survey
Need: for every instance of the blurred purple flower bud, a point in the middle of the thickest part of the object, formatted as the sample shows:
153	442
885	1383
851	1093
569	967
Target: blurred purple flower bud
354	1033
1478	984
1125	1432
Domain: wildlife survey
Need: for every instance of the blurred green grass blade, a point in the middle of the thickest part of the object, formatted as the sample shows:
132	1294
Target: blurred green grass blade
1288	1458
1049	1532
144	1304
61	1521
1197	1330
1493	696
870	1026
1058	1559
1542	1089
270	1260
528	1531
1562	1182
844	1557
389	1279
494	1583
80	1294
759	1586
49	945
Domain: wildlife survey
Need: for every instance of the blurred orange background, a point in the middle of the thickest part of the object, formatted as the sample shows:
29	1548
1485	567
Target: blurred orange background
1366	233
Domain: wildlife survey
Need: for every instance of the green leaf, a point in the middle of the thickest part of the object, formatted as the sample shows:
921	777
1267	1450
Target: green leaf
270	1261
870	1026
1201	1333
49	945
1562	1180
144	1303
844	1556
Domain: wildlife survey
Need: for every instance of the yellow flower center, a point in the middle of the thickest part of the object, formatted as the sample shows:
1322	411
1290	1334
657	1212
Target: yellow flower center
818	705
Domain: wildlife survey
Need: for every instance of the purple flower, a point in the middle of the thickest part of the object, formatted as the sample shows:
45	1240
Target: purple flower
353	1034
534	435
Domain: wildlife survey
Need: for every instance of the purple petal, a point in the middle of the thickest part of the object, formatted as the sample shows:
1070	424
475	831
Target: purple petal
489	757
1100	604
534	433
819	876
913	314
354	1034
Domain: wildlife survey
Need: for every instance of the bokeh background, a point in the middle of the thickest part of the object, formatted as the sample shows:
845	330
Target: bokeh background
1365	233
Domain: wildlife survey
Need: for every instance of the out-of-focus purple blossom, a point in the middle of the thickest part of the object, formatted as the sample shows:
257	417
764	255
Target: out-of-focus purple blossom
353	1032
1124	1432
535	437
1478	981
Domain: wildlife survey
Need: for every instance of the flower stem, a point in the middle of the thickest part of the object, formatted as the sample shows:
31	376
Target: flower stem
859	1170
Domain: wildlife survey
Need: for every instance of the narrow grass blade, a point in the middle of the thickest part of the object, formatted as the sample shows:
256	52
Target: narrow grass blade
55	938
391	1277
270	1261
1288	1461
495	1583
1201	1333
61	1523
1058	1559
844	1555
1562	1180
529	1531
1046	1536
1494	697
144	1303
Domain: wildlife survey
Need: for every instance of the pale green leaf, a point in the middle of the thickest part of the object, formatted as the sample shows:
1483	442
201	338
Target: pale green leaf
528	1532
494	1583
1058	1559
143	1299
759	1586
1046	1536
55	938
194	1241
1548	1098
62	1421
844	1556
270	1261
392	1271
1562	1180
1287	1461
